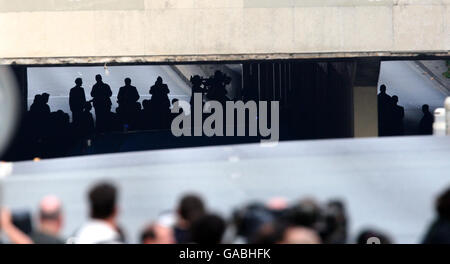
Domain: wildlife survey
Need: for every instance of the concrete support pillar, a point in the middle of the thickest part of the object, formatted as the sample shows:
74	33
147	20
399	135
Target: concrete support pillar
365	107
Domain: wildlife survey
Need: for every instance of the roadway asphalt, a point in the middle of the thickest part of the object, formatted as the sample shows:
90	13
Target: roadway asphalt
387	183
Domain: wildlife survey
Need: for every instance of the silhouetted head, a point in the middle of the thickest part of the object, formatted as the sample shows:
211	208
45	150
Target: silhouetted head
37	98
159	80
395	99
127	81
443	205
383	88
45	97
218	73
102	201
87	107
425	108
191	208
98	78
196	80
146	104
208	229
78	81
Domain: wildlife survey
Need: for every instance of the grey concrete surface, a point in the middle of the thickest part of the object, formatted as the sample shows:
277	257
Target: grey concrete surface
201	30
387	183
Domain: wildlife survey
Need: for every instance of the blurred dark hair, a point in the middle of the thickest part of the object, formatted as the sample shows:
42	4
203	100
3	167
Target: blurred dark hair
149	232
443	205
249	219
366	234
191	207
208	229
269	233
102	199
305	213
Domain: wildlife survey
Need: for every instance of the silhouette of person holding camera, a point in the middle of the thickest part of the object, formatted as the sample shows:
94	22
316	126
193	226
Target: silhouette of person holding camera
217	85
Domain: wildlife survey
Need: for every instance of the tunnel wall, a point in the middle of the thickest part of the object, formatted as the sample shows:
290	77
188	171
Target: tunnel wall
315	97
97	31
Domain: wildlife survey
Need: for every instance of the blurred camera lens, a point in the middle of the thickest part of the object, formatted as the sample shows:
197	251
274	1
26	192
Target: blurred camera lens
9	106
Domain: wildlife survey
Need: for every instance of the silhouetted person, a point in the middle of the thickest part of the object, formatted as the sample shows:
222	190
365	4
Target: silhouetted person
439	231
398	113
101	92
86	124
77	100
384	111
40	122
426	123
127	99
196	82
217	89
160	105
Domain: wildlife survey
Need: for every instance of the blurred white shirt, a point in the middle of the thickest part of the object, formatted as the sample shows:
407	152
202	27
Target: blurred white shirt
95	232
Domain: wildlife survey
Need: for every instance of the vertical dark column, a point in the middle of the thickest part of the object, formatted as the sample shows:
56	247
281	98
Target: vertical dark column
22	81
250	78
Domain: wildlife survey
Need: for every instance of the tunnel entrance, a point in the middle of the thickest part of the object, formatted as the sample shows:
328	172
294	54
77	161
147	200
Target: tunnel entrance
316	100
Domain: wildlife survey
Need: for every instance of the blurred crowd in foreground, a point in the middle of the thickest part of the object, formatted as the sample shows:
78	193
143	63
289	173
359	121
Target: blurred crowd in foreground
277	221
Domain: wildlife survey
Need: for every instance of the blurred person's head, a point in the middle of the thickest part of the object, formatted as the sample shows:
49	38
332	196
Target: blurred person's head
50	215
102	201
305	213
157	234
383	88
366	235
333	229
251	218
425	108
208	229
127	81
269	233
443	205
300	235
190	208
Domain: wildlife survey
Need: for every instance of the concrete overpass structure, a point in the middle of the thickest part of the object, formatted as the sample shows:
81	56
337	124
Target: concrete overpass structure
265	35
80	31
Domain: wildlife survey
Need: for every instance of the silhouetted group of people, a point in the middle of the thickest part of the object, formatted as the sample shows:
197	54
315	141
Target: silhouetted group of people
391	116
51	134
